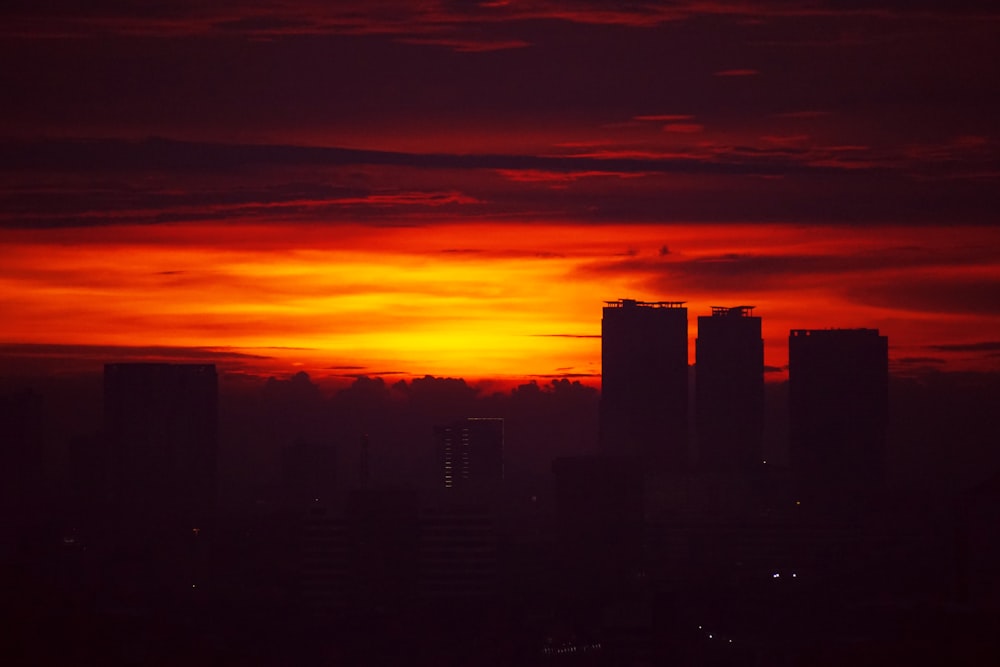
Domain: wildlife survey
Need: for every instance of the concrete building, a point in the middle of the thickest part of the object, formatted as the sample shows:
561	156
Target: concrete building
644	382
470	453
839	404
729	389
160	422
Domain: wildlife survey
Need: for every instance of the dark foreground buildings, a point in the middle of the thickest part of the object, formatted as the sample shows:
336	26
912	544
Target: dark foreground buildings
729	394
839	402
470	453
161	429
644	382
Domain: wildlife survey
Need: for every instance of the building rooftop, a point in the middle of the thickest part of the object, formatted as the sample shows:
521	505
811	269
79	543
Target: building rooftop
732	311
858	332
633	303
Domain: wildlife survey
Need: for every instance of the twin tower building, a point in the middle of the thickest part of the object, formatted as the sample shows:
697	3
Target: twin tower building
838	394
645	385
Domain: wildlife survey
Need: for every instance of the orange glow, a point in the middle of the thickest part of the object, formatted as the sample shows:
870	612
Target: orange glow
476	300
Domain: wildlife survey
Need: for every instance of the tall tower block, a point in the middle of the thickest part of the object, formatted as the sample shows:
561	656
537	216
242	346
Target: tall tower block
644	382
729	389
839	403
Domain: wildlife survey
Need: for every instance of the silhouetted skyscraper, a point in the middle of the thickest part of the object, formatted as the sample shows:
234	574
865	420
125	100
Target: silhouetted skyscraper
161	421
161	425
838	401
644	381
308	473
470	453
599	505
729	389
22	483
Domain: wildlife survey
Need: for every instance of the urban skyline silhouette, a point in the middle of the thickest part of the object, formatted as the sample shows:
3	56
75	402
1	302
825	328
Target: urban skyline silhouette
397	516
304	358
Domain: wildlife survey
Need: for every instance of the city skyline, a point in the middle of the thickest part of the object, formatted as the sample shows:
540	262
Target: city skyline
502	332
423	188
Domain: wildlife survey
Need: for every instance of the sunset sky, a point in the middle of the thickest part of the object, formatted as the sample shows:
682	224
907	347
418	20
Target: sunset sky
404	188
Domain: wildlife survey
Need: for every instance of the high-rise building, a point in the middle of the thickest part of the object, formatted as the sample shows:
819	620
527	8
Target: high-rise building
838	402
458	553
161	421
729	389
644	382
599	512
365	556
161	424
308	473
470	453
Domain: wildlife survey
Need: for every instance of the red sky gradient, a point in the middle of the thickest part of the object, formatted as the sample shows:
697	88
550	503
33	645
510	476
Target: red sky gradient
454	188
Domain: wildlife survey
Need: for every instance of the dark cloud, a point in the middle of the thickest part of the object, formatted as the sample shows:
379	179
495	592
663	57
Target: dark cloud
738	271
116	352
984	346
737	72
557	335
66	183
41	360
163	154
962	294
467	45
403	16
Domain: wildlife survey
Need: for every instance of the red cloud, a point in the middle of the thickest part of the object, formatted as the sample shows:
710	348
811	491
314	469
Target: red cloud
683	128
666	117
737	72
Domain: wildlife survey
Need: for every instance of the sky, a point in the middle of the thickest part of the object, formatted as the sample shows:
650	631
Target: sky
454	188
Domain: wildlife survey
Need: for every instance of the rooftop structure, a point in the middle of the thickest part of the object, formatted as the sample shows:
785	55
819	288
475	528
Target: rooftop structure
644	382
729	370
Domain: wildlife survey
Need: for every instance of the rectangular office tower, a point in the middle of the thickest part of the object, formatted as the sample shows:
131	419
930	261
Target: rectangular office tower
839	403
160	422
729	389
644	382
470	453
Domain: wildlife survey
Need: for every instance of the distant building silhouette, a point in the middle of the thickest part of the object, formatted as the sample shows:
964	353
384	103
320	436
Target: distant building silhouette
161	425
470	453
364	557
308	473
21	460
599	511
644	382
729	389
458	554
838	402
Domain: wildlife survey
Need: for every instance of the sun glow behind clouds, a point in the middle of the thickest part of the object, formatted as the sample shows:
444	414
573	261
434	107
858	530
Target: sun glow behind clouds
475	300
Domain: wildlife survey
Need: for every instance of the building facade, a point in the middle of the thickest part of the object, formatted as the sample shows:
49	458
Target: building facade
470	453
839	404
161	427
644	382
729	389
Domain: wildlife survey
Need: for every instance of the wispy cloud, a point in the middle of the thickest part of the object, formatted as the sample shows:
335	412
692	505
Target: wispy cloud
737	72
453	25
